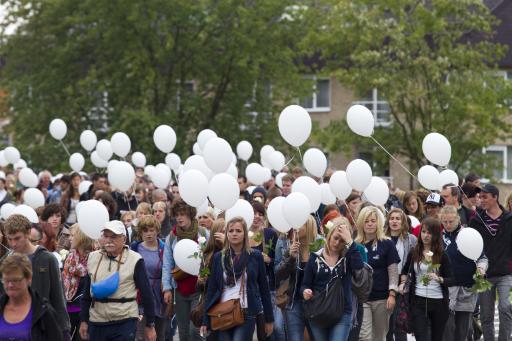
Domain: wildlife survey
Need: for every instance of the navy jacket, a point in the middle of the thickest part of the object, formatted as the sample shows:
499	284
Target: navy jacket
317	273
257	287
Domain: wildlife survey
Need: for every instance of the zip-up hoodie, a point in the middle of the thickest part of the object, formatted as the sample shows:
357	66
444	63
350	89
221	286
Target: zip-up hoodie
317	273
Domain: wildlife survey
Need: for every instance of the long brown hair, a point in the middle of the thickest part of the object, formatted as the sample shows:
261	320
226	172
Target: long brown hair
404	230
433	225
212	245
420	211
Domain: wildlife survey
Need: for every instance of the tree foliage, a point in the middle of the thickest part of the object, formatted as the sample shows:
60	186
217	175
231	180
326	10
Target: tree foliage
435	64
129	66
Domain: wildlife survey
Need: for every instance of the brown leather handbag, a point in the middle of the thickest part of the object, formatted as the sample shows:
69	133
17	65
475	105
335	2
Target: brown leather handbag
282	294
229	314
196	314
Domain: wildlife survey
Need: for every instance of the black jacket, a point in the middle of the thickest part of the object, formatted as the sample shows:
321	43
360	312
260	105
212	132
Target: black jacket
498	248
44	319
445	271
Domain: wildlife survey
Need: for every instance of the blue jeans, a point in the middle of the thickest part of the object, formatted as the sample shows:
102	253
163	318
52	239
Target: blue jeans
278	334
501	285
122	331
243	332
338	332
295	322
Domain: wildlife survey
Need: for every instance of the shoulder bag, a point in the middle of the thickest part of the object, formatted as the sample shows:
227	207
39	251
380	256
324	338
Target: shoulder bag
229	314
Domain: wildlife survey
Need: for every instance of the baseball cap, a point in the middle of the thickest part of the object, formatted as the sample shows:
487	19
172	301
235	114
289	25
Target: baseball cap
116	227
490	188
433	199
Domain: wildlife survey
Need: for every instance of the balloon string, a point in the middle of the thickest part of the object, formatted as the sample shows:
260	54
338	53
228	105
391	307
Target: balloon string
394	158
298	148
65	148
286	164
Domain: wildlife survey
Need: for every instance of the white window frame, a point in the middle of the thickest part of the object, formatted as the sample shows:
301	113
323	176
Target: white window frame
374	102
316	108
503	150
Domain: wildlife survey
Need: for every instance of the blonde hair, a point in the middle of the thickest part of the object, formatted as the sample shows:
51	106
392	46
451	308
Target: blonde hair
246	247
17	262
338	222
160	204
143	208
311	229
83	241
126	214
146	222
450	209
364	215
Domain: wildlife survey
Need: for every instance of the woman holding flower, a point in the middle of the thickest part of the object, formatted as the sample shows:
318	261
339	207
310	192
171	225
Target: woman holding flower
462	297
430	275
383	258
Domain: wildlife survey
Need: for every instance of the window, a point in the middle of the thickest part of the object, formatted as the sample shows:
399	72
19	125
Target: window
320	99
377	106
502	168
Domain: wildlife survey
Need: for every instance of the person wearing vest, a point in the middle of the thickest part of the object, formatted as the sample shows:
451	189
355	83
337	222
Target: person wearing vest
109	309
185	296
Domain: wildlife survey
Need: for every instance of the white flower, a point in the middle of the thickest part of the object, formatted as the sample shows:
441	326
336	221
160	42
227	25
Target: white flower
329	225
429	254
63	254
201	240
251	234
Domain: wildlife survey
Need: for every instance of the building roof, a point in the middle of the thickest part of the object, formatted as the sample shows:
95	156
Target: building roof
502	9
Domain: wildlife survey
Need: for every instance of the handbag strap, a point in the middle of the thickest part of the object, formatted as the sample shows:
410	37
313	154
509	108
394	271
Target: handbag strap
99	262
242	286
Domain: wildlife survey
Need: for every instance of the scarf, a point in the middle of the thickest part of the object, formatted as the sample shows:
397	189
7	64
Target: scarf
75	267
234	266
190	233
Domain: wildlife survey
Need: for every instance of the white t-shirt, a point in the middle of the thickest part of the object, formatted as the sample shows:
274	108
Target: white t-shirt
233	293
432	290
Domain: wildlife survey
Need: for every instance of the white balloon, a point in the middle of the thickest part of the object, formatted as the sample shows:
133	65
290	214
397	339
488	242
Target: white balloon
121	175
6	210
33	198
197	162
250	189
202	209
255	173
111	164
20	164
161	178
186	254
28	178
470	243
204	136
12	155
315	162
339	185
267	174
437	149
149	170
121	144
294	125
97	161
428	176
265	152
104	149
139	159
233	171
360	120
244	150
84	186
3	160
173	161
76	162
58	129
92	217
296	208
196	149
193	187
311	189
223	191
276	160
88	140
359	174
377	191
327	195
275	215
279	179
243	209
414	221
26	211
164	138
217	154
448	177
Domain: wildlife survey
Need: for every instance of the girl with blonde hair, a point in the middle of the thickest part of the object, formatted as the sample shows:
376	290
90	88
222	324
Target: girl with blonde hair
383	258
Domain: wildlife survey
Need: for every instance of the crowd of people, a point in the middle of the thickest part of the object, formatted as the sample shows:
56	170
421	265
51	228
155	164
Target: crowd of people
59	284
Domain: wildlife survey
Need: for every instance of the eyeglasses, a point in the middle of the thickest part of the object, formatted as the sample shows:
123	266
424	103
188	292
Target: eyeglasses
35	241
14	281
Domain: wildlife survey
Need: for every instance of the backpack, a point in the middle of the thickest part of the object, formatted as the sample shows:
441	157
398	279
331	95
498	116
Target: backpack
362	282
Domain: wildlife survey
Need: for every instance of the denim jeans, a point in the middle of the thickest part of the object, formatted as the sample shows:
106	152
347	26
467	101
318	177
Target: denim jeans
123	331
295	321
243	332
338	332
184	304
502	285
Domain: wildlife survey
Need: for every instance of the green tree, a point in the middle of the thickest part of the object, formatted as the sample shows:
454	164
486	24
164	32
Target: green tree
129	66
435	64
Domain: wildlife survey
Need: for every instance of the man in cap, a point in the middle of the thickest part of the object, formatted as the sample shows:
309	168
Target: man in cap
433	205
111	313
494	223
